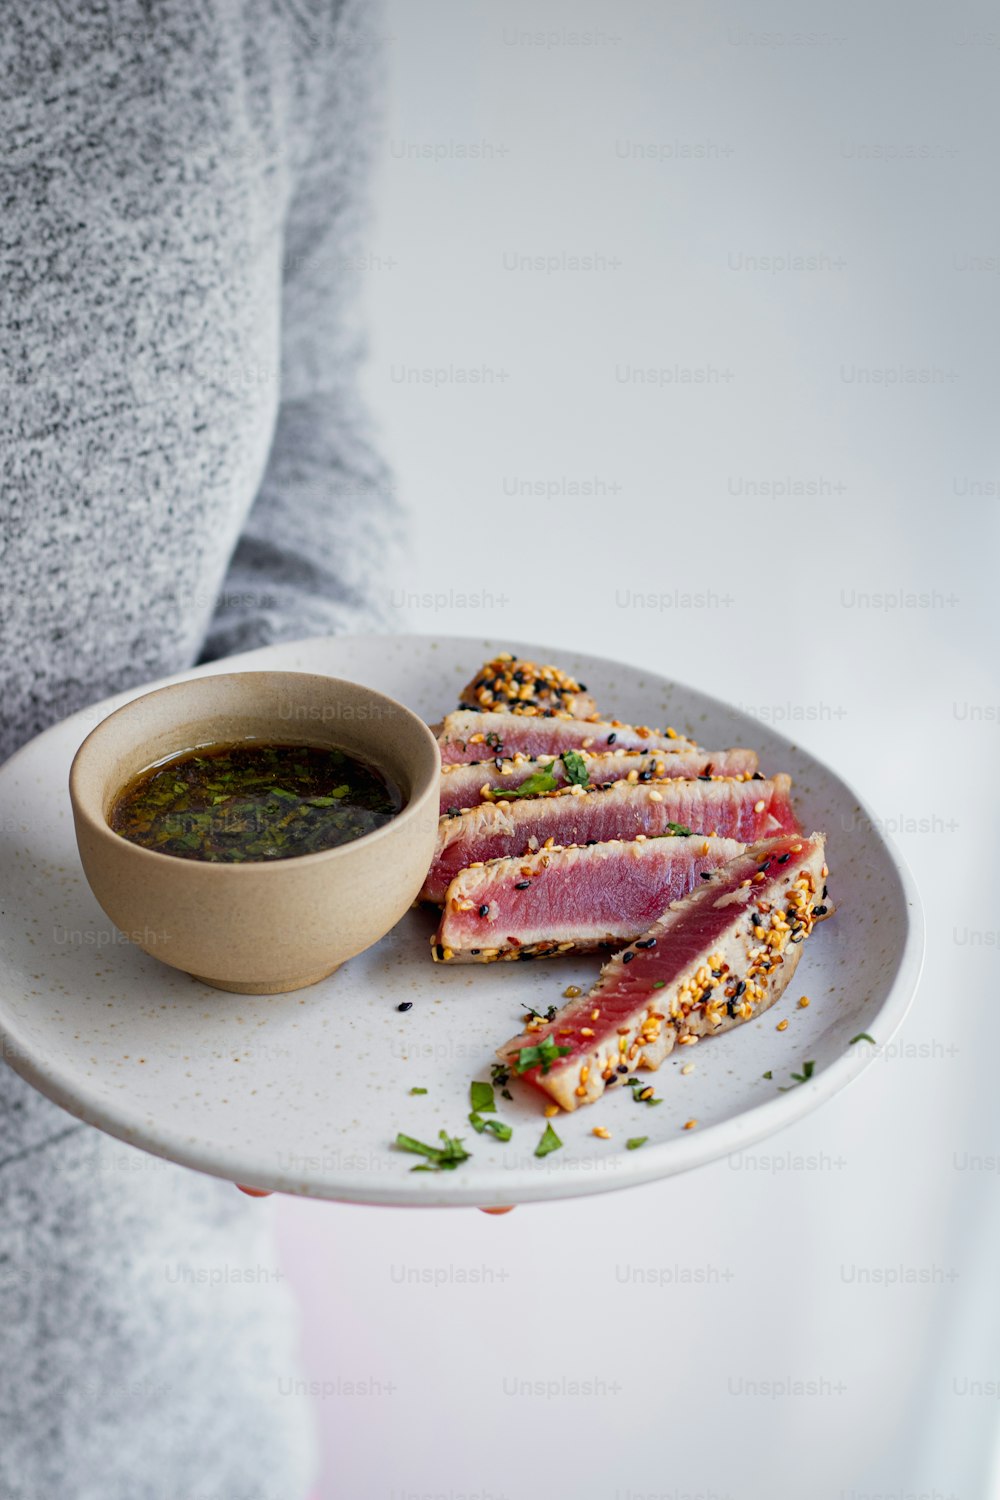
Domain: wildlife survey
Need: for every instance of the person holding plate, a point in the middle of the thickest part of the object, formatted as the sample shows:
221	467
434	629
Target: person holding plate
187	473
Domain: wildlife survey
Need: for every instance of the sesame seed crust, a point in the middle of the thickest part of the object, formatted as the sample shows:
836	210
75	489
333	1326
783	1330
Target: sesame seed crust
518	686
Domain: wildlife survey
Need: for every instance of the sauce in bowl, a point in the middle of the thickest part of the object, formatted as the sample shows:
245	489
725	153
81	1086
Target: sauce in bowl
252	801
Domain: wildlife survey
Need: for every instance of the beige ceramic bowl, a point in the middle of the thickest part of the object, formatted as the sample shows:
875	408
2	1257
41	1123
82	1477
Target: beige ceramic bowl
258	928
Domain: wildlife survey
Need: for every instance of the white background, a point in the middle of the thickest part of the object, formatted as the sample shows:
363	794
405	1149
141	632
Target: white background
675	146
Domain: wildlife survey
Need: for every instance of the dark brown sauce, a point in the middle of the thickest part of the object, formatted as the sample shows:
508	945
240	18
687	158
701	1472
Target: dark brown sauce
251	801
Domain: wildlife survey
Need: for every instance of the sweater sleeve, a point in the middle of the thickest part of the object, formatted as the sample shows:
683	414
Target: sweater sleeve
325	531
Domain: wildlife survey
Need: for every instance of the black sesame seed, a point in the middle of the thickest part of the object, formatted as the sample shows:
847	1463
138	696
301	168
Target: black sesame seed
783	859
484	910
440	951
730	1008
475	950
757	776
522	885
612	738
591	841
405	1005
647	943
582	686
704	778
622	1068
819	911
706	874
741	987
645	775
628	956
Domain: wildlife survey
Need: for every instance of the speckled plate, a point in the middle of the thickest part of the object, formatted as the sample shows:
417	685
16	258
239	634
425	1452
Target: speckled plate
305	1093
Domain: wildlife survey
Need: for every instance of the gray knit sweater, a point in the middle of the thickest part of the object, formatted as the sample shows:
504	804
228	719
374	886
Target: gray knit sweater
184	473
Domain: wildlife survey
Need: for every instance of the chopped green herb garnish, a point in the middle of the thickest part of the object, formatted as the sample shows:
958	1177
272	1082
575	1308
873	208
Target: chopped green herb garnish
546	779
536	1015
803	1077
418	1091
639	1087
769	1074
635	1141
549	1142
501	1078
481	1098
533	786
576	768
659	984
679	830
495	1127
546	1053
862	1036
440	1158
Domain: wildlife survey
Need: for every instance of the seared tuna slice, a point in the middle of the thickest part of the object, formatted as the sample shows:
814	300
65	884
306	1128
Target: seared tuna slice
466	785
466	736
719	957
744	810
601	895
510	683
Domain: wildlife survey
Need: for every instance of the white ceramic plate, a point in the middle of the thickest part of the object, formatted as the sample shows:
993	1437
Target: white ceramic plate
305	1093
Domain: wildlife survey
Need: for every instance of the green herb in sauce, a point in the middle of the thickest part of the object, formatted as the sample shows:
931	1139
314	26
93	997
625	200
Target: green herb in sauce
233	804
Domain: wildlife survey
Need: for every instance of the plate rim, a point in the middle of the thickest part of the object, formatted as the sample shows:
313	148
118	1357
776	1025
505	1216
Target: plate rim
689	1151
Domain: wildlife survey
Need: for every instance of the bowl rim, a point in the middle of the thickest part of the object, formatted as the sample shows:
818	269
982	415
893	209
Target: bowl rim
97	822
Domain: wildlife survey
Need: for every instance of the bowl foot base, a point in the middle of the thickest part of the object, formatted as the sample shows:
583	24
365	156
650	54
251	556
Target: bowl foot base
282	987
